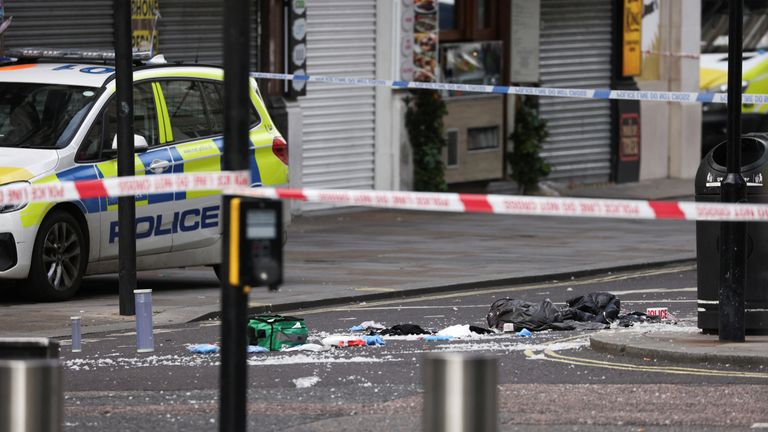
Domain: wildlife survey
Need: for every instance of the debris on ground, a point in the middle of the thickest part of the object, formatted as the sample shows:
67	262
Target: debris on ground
367	326
404	330
373	340
436	338
306	382
463	331
275	332
203	349
308	347
593	311
524	333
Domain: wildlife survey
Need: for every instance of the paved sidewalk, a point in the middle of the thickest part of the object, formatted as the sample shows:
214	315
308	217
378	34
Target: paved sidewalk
683	346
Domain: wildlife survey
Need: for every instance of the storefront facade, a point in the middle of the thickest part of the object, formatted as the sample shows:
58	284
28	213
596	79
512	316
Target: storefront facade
472	41
188	31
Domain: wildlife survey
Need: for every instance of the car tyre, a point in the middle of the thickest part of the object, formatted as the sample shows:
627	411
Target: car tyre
59	258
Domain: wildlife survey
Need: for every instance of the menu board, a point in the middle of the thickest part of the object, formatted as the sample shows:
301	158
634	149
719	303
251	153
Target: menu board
419	31
524	49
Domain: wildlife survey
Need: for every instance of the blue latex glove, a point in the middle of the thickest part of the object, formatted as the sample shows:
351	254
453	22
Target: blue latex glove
256	349
203	349
436	338
524	333
374	340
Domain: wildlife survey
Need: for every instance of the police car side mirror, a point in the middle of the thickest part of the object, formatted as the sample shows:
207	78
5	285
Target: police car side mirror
139	144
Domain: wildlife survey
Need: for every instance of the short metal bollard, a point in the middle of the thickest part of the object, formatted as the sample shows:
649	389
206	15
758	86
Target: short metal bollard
31	396
76	335
18	348
145	339
460	393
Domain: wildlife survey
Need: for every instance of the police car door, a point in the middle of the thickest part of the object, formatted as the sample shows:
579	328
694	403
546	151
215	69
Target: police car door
154	214
195	124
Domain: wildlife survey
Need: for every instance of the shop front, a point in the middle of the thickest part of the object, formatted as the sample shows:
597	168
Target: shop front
472	51
187	31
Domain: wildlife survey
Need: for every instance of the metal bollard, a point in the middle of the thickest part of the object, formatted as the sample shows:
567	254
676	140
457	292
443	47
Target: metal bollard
31	396
460	393
76	334
145	339
18	348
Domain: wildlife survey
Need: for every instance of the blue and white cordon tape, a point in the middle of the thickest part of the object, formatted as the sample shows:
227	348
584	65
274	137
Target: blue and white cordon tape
655	96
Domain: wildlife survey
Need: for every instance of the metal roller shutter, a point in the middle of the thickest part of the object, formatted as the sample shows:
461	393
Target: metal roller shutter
57	24
576	53
339	121
191	30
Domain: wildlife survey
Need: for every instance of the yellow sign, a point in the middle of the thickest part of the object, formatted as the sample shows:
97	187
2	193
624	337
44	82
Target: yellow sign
144	23
632	42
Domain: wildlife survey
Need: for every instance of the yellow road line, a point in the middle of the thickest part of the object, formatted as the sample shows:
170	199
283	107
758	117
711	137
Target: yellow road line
553	356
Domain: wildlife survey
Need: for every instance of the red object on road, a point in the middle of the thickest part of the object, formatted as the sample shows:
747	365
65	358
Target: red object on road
352	343
660	312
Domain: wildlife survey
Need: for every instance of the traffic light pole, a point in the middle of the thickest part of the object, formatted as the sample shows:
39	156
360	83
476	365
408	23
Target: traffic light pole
126	206
234	298
733	255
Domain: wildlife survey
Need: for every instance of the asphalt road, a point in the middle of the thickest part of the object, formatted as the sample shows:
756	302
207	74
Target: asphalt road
552	381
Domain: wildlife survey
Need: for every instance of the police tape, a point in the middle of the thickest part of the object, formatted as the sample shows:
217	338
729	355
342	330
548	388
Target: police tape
638	95
238	183
21	193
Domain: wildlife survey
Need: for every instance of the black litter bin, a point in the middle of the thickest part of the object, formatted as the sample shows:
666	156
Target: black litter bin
711	172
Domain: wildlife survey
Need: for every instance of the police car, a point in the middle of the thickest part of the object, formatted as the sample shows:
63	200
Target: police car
713	77
58	123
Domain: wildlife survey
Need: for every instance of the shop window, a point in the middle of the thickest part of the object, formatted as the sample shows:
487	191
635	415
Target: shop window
452	148
484	138
469	20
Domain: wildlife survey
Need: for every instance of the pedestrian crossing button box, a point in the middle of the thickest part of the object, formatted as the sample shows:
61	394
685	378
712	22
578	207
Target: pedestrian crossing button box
261	246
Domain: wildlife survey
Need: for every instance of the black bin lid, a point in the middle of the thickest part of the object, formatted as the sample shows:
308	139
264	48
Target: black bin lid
754	166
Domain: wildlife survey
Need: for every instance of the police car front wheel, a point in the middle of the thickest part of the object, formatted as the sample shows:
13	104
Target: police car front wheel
59	258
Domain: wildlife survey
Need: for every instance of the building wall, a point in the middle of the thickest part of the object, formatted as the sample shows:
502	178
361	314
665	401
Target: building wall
671	132
472	112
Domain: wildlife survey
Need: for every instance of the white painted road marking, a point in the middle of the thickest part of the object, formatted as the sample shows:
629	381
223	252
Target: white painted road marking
650	291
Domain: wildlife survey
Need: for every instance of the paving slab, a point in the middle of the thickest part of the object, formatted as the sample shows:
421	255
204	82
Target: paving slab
686	346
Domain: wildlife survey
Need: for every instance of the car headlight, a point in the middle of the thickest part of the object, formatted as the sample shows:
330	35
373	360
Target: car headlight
8	208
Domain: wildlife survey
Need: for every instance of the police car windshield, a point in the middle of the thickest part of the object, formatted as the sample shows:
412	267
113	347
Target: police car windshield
41	115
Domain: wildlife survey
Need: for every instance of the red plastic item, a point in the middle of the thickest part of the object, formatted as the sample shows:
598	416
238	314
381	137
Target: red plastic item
352	343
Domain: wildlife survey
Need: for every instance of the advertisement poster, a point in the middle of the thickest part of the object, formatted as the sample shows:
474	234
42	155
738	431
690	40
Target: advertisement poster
406	37
524	49
632	40
629	137
144	16
425	41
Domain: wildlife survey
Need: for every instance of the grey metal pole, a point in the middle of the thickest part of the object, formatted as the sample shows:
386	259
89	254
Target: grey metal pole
460	393
733	250
126	206
31	396
234	299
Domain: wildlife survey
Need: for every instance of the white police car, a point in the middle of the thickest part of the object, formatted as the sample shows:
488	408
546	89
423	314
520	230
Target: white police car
58	123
